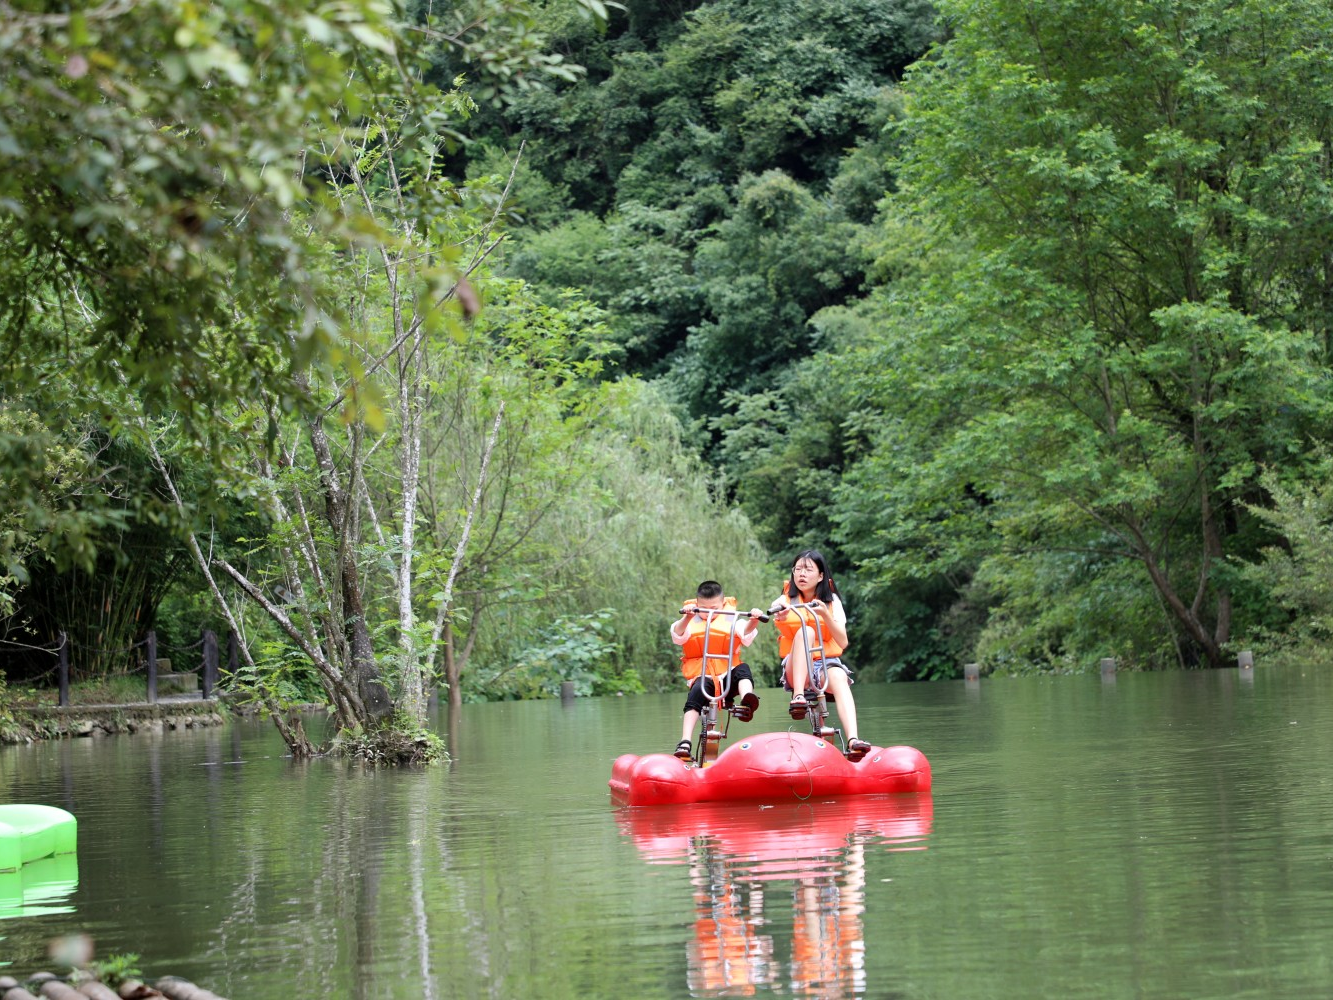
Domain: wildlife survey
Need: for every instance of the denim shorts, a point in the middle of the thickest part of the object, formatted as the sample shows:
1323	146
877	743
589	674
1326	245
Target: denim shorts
817	672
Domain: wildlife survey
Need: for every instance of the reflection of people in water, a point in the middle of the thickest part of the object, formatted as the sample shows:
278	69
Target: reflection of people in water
828	941
817	851
728	956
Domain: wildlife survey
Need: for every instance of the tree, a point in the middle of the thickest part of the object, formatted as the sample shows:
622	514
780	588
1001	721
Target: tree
1119	303
151	153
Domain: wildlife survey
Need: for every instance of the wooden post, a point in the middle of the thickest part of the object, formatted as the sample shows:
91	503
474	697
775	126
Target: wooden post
972	672
1245	660
63	670
1108	666
210	670
152	667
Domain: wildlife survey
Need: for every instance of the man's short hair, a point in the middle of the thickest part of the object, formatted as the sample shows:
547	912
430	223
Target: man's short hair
709	589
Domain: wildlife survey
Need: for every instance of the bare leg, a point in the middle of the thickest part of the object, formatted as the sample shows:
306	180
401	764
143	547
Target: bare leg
690	720
798	663
841	689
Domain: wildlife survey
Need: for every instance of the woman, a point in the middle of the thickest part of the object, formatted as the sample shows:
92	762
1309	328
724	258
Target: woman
803	662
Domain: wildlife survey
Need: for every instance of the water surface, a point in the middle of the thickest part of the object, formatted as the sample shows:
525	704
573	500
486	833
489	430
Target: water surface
1164	835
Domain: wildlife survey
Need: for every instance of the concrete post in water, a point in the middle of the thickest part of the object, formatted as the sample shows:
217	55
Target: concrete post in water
1108	666
1245	660
62	669
566	691
971	672
210	663
151	653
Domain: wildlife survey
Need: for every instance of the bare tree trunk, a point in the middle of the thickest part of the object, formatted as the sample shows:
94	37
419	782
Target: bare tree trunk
452	672
1187	615
451	663
364	670
409	414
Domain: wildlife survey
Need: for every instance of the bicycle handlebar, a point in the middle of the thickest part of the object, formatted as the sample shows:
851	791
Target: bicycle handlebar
778	609
723	611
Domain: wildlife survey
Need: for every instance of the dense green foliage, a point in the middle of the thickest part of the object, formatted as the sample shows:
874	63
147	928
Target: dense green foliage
1025	399
458	342
713	184
1115	314
405	459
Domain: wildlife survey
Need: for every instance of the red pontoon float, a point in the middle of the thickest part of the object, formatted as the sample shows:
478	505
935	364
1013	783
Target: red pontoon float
776	767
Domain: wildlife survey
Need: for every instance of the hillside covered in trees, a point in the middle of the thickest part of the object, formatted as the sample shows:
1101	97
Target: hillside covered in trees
455	343
1028	330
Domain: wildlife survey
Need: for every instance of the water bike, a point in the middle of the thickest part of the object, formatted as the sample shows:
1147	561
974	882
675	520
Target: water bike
776	767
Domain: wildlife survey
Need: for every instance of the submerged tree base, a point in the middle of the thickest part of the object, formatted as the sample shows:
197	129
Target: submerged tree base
393	745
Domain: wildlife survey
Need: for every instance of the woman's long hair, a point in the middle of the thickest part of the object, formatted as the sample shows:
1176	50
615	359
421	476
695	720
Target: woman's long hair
825	589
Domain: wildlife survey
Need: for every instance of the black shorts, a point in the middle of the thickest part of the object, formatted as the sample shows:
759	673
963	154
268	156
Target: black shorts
698	700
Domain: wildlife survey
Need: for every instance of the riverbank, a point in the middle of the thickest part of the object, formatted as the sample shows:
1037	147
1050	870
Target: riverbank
31	723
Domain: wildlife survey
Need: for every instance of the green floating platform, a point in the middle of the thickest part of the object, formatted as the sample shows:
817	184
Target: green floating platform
29	833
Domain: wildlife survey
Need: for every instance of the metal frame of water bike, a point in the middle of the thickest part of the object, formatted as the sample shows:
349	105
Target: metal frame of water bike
710	737
817	712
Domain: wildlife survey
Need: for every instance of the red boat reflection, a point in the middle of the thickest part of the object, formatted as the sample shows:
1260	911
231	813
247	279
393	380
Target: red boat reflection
787	840
737	854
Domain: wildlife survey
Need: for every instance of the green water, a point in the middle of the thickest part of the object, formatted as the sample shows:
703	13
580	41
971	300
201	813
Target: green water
1165	835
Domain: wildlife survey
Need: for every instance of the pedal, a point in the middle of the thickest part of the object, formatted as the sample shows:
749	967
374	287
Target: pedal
857	754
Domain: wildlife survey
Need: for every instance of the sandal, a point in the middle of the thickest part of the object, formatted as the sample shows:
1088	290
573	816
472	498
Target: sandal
797	707
684	750
856	749
744	712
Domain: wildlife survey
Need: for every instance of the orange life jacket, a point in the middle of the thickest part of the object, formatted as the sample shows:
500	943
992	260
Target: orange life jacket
716	634
789	623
